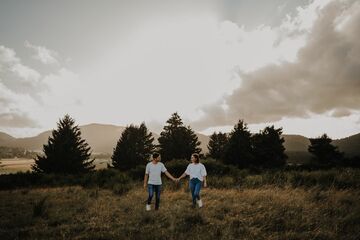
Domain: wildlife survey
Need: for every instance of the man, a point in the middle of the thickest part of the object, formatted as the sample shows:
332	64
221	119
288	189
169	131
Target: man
152	179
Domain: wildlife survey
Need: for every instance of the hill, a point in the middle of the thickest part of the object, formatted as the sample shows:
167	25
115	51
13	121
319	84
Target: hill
103	137
349	145
6	138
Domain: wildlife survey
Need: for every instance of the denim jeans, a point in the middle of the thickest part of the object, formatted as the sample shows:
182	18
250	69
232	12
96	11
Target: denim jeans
195	187
157	189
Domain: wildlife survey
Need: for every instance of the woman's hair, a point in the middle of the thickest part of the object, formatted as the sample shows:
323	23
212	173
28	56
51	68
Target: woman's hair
196	156
155	155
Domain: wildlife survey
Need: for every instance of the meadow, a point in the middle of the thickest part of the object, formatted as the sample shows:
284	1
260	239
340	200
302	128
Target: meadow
14	165
238	204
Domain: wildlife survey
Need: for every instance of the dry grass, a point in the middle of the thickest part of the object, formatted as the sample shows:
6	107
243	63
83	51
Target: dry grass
263	213
14	165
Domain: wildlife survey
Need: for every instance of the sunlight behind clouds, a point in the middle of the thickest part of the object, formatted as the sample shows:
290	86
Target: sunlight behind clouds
142	62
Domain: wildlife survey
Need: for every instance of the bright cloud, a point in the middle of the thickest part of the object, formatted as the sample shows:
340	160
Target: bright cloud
29	99
43	54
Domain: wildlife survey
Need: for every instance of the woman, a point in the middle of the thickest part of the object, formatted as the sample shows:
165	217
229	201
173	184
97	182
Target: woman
197	173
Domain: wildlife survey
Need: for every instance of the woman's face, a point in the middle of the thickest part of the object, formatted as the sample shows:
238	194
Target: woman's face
192	159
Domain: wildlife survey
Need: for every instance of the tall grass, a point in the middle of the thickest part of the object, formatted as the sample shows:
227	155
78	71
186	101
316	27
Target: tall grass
219	176
262	213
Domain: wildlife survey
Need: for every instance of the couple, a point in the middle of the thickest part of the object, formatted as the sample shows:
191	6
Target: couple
152	179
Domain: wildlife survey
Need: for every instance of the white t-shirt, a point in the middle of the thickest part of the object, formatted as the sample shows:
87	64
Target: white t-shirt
196	171
154	171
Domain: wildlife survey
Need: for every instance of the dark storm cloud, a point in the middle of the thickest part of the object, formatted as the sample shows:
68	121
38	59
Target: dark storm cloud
325	77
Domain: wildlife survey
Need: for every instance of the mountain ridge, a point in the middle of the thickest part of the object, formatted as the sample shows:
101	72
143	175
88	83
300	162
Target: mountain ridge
103	137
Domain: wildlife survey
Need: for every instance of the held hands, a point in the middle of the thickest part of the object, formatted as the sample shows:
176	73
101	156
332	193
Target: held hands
176	180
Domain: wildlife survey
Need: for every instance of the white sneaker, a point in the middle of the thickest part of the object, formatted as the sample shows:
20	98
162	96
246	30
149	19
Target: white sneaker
148	207
200	203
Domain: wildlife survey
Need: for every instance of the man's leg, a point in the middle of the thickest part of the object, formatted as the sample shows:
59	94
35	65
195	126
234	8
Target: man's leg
157	196
151	193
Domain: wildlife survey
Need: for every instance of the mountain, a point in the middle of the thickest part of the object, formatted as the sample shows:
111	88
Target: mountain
204	140
6	138
102	138
349	145
296	143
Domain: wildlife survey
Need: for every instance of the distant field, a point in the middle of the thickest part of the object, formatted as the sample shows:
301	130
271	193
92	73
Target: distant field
13	165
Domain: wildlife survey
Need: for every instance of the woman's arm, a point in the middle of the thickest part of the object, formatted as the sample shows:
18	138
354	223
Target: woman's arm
182	176
205	182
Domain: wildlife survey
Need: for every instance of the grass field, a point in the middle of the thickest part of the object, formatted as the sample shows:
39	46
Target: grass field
14	165
261	213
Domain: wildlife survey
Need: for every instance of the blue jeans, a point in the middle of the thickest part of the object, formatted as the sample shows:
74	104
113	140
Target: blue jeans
157	189
195	187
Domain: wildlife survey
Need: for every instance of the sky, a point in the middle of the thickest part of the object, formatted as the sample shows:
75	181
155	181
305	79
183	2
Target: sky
292	64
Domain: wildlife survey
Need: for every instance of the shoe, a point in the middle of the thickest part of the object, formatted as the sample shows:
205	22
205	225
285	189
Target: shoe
148	207
200	203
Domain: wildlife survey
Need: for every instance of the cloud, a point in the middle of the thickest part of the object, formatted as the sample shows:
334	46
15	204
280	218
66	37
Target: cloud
324	76
16	76
43	54
25	94
17	120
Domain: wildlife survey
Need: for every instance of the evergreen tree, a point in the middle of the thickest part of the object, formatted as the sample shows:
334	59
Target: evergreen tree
177	141
133	148
324	152
268	148
238	151
66	152
217	145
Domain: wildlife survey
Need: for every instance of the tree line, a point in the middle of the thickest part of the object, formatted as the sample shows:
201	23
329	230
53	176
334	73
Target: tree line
67	153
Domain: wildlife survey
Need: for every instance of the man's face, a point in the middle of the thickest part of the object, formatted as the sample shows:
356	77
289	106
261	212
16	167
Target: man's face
158	159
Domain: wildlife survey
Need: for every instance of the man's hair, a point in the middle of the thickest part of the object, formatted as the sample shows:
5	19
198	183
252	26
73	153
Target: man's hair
155	155
196	156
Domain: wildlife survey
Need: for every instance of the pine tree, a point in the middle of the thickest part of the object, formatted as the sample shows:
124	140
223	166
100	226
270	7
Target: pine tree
66	152
217	145
133	148
268	148
177	141
238	151
324	152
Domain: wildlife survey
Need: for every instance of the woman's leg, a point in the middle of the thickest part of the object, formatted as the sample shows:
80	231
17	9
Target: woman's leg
151	193
192	190
157	196
197	189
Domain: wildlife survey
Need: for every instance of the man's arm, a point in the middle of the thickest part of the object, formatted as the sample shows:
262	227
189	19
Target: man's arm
170	176
146	177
